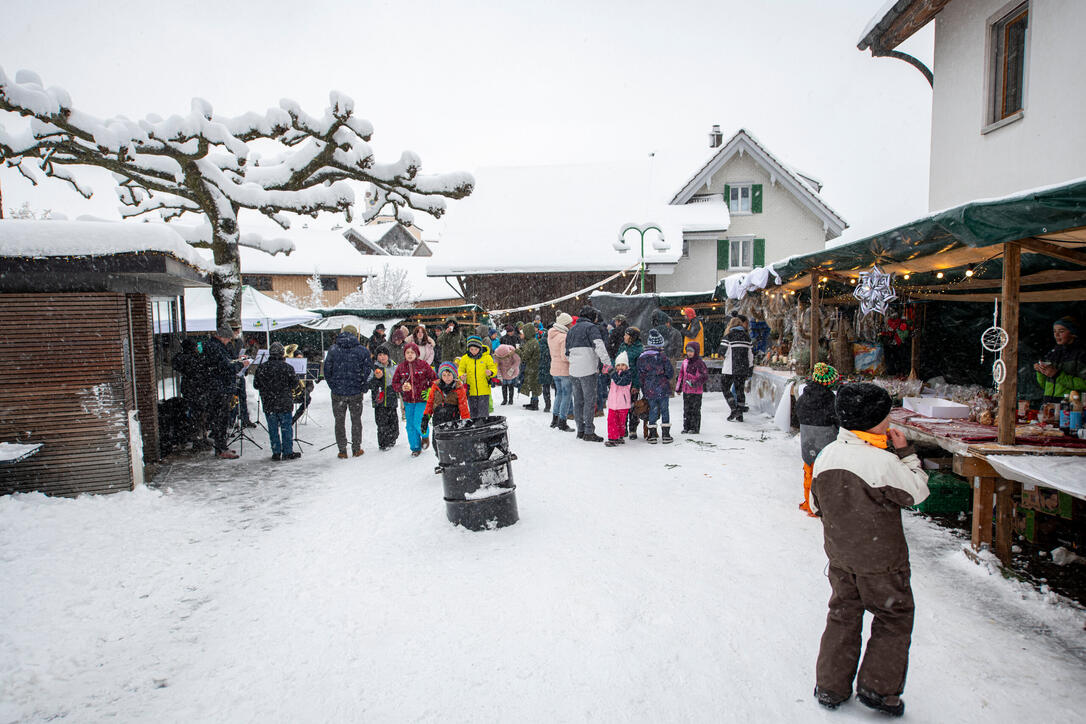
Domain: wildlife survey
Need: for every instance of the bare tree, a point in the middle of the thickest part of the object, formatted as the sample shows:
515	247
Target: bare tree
204	164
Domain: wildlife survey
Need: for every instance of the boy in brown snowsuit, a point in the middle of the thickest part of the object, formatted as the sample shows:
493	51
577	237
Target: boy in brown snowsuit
860	486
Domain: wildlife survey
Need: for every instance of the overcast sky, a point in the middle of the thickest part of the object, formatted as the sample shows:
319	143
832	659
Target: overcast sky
472	83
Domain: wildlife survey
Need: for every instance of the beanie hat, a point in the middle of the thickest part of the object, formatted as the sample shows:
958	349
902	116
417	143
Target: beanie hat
862	406
379	328
475	341
381	349
412	346
655	339
826	375
693	346
689	313
564	319
589	312
224	331
1067	323
349	329
276	349
446	366
634	332
620	317
622	359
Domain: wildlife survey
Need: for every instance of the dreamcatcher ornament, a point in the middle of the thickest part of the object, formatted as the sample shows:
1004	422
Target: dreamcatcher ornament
874	291
994	339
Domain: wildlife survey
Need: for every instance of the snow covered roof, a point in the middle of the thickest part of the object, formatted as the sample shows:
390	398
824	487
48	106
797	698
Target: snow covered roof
40	239
896	21
802	186
369	235
330	253
566	218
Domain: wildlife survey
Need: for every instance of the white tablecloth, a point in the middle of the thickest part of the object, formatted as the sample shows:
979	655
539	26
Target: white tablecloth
1062	472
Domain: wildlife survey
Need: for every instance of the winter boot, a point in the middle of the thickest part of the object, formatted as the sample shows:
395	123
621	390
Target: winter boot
563	426
733	413
828	699
533	405
892	705
554	420
739	417
611	443
665	434
633	433
651	437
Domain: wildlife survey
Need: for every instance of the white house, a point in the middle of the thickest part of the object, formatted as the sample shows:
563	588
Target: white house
1009	92
776	212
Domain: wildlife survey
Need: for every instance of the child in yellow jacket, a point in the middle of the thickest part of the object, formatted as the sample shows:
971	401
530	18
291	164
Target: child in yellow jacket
476	369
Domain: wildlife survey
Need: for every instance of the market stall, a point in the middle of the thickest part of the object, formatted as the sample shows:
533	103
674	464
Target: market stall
989	257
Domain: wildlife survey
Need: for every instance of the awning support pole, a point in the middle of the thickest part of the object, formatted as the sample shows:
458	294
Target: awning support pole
1008	391
816	321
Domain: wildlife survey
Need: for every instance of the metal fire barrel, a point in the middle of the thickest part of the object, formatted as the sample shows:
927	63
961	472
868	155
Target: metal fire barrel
477	474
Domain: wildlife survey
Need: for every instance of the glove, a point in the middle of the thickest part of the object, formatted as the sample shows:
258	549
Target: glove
425	424
607	369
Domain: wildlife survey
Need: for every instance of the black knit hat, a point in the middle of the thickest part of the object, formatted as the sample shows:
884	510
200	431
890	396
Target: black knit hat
862	406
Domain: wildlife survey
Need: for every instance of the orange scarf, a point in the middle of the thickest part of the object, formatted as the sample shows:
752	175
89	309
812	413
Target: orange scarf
878	441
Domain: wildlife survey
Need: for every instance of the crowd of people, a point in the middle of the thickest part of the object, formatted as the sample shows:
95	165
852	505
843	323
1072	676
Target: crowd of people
581	368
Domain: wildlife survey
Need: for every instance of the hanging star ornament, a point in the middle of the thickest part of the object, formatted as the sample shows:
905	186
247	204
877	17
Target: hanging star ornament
874	291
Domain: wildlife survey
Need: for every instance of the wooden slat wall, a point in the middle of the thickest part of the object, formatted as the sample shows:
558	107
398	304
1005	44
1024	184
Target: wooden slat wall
62	384
299	284
146	387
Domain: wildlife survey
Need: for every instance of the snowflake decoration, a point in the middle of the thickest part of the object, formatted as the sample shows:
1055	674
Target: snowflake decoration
874	291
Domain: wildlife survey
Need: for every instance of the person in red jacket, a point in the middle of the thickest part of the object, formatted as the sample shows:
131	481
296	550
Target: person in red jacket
411	380
446	401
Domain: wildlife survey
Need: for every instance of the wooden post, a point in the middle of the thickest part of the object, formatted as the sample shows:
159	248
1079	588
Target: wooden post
816	322
983	489
914	346
1004	510
1008	391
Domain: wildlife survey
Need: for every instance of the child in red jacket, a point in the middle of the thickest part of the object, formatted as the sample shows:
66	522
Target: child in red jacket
411	379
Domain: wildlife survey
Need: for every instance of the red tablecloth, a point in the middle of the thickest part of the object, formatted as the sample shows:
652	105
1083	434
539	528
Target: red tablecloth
974	432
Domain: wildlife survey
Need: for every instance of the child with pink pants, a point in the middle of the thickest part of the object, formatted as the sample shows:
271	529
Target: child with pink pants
618	401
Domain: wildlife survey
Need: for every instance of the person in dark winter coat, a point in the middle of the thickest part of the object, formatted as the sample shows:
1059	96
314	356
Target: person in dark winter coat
222	383
631	345
510	336
617	335
586	352
545	379
529	353
737	367
693	374
189	363
817	423
385	412
412	379
450	342
655	371
862	480
275	380
347	369
446	401
377	340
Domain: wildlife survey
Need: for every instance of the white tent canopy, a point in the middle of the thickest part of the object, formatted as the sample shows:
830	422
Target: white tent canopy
259	312
364	326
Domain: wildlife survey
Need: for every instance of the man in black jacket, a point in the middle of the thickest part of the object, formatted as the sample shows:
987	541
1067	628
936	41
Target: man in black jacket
222	384
276	380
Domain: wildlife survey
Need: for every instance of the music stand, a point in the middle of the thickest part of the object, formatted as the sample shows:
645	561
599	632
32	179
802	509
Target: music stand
301	367
238	434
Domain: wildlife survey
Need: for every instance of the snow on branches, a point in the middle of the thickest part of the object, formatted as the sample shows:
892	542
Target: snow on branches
202	163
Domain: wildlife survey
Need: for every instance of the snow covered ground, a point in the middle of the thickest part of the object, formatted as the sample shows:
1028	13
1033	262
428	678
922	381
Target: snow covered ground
642	584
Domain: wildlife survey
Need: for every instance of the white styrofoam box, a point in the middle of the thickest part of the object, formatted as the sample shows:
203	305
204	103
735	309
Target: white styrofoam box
935	407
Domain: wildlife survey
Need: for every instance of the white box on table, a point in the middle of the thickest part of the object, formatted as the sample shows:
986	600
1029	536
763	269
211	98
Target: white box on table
935	407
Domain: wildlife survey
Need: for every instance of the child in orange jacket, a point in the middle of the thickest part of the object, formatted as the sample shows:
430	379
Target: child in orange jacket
446	401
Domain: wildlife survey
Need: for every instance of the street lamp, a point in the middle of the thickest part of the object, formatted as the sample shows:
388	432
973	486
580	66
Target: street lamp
660	244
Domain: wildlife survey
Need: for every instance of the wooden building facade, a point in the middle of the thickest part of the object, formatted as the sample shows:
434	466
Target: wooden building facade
78	374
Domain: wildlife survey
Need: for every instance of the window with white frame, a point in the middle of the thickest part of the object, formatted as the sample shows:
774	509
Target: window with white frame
1009	49
739	198
741	254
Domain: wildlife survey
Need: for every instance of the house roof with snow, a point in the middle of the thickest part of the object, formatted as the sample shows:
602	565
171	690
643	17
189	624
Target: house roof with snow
804	187
330	253
55	254
566	218
896	21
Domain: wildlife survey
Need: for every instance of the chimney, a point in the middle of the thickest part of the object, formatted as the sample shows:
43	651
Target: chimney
715	137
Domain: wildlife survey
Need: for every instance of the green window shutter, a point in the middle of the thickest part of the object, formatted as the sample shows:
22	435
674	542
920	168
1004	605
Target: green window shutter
722	248
756	199
727	196
759	252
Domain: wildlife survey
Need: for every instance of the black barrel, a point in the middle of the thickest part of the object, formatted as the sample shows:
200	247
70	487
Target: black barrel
485	513
472	440
478	479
